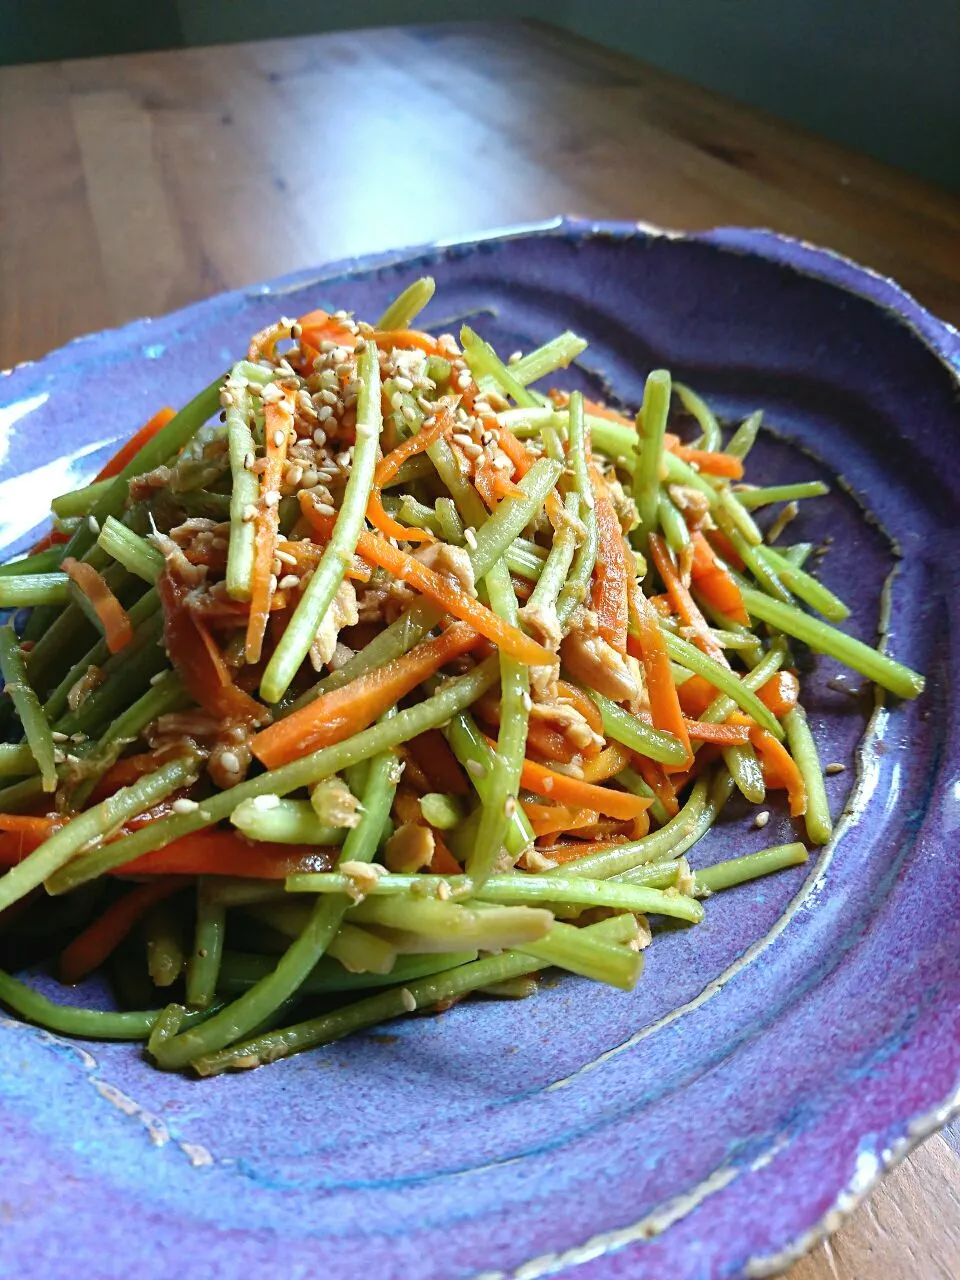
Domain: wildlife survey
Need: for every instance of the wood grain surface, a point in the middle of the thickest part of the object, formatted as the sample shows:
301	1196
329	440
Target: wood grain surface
133	185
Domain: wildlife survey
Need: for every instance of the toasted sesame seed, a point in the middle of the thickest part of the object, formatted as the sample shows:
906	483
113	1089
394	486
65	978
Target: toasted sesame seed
183	805
294	475
278	439
78	737
327	346
324	414
396	400
409	413
836	767
762	818
483	408
57	736
309	478
404	383
329	397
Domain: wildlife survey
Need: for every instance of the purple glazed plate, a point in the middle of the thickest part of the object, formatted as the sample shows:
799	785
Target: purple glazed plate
773	1062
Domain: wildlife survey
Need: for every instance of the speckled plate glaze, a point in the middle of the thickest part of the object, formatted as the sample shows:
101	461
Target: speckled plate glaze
773	1062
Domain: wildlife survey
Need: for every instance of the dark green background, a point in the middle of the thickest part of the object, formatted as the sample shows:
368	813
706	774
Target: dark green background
879	75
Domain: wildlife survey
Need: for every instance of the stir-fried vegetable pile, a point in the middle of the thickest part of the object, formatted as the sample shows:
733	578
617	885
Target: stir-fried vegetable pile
398	681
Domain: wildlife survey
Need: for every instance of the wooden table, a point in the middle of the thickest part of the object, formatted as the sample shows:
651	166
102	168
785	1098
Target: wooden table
133	185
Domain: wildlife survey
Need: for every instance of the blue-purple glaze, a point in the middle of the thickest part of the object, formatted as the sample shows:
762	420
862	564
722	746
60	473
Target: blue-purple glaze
773	1060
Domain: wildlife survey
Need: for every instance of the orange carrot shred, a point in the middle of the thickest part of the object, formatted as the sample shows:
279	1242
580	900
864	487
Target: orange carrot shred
780	693
99	940
714	581
130	448
661	688
610	574
117	627
277	432
683	601
446	592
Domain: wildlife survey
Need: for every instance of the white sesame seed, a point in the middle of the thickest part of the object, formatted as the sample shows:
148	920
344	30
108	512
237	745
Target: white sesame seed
58	756
329	397
249	513
396	400
470	537
324	414
509	807
404	384
527	703
547	784
271	498
78	737
93	524
309	479
183	805
409	413
762	818
230	761
327	346
476	769
464	380
57	736
286	558
288	582
294	475
407	1000
324	509
836	767
482	408
278	439
273	583
155	679
514	356
265	802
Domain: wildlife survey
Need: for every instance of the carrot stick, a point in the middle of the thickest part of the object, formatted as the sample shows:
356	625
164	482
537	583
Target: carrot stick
407	339
579	794
320	326
431	752
598	410
215	852
611	761
388	467
345	711
100	939
714	464
661	689
277	434
780	769
683	601
547	819
117	628
610	571
714	580
446	592
728	735
695	696
662	786
515	449
132	447
780	693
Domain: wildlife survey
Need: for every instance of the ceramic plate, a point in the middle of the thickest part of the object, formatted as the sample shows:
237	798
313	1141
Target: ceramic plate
772	1062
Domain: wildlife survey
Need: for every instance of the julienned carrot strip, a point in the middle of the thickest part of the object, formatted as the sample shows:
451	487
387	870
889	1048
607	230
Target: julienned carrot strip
277	434
198	661
503	487
780	769
52	539
446	592
722	544
320	326
91	948
212	852
443	863
543	739
342	712
515	449
597	410
578	794
662	786
611	761
683	601
780	693
661	688
439	765
388	467
548	819
695	695
407	339
714	464
117	628
727	735
132	447
714	580
610	573
485	481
